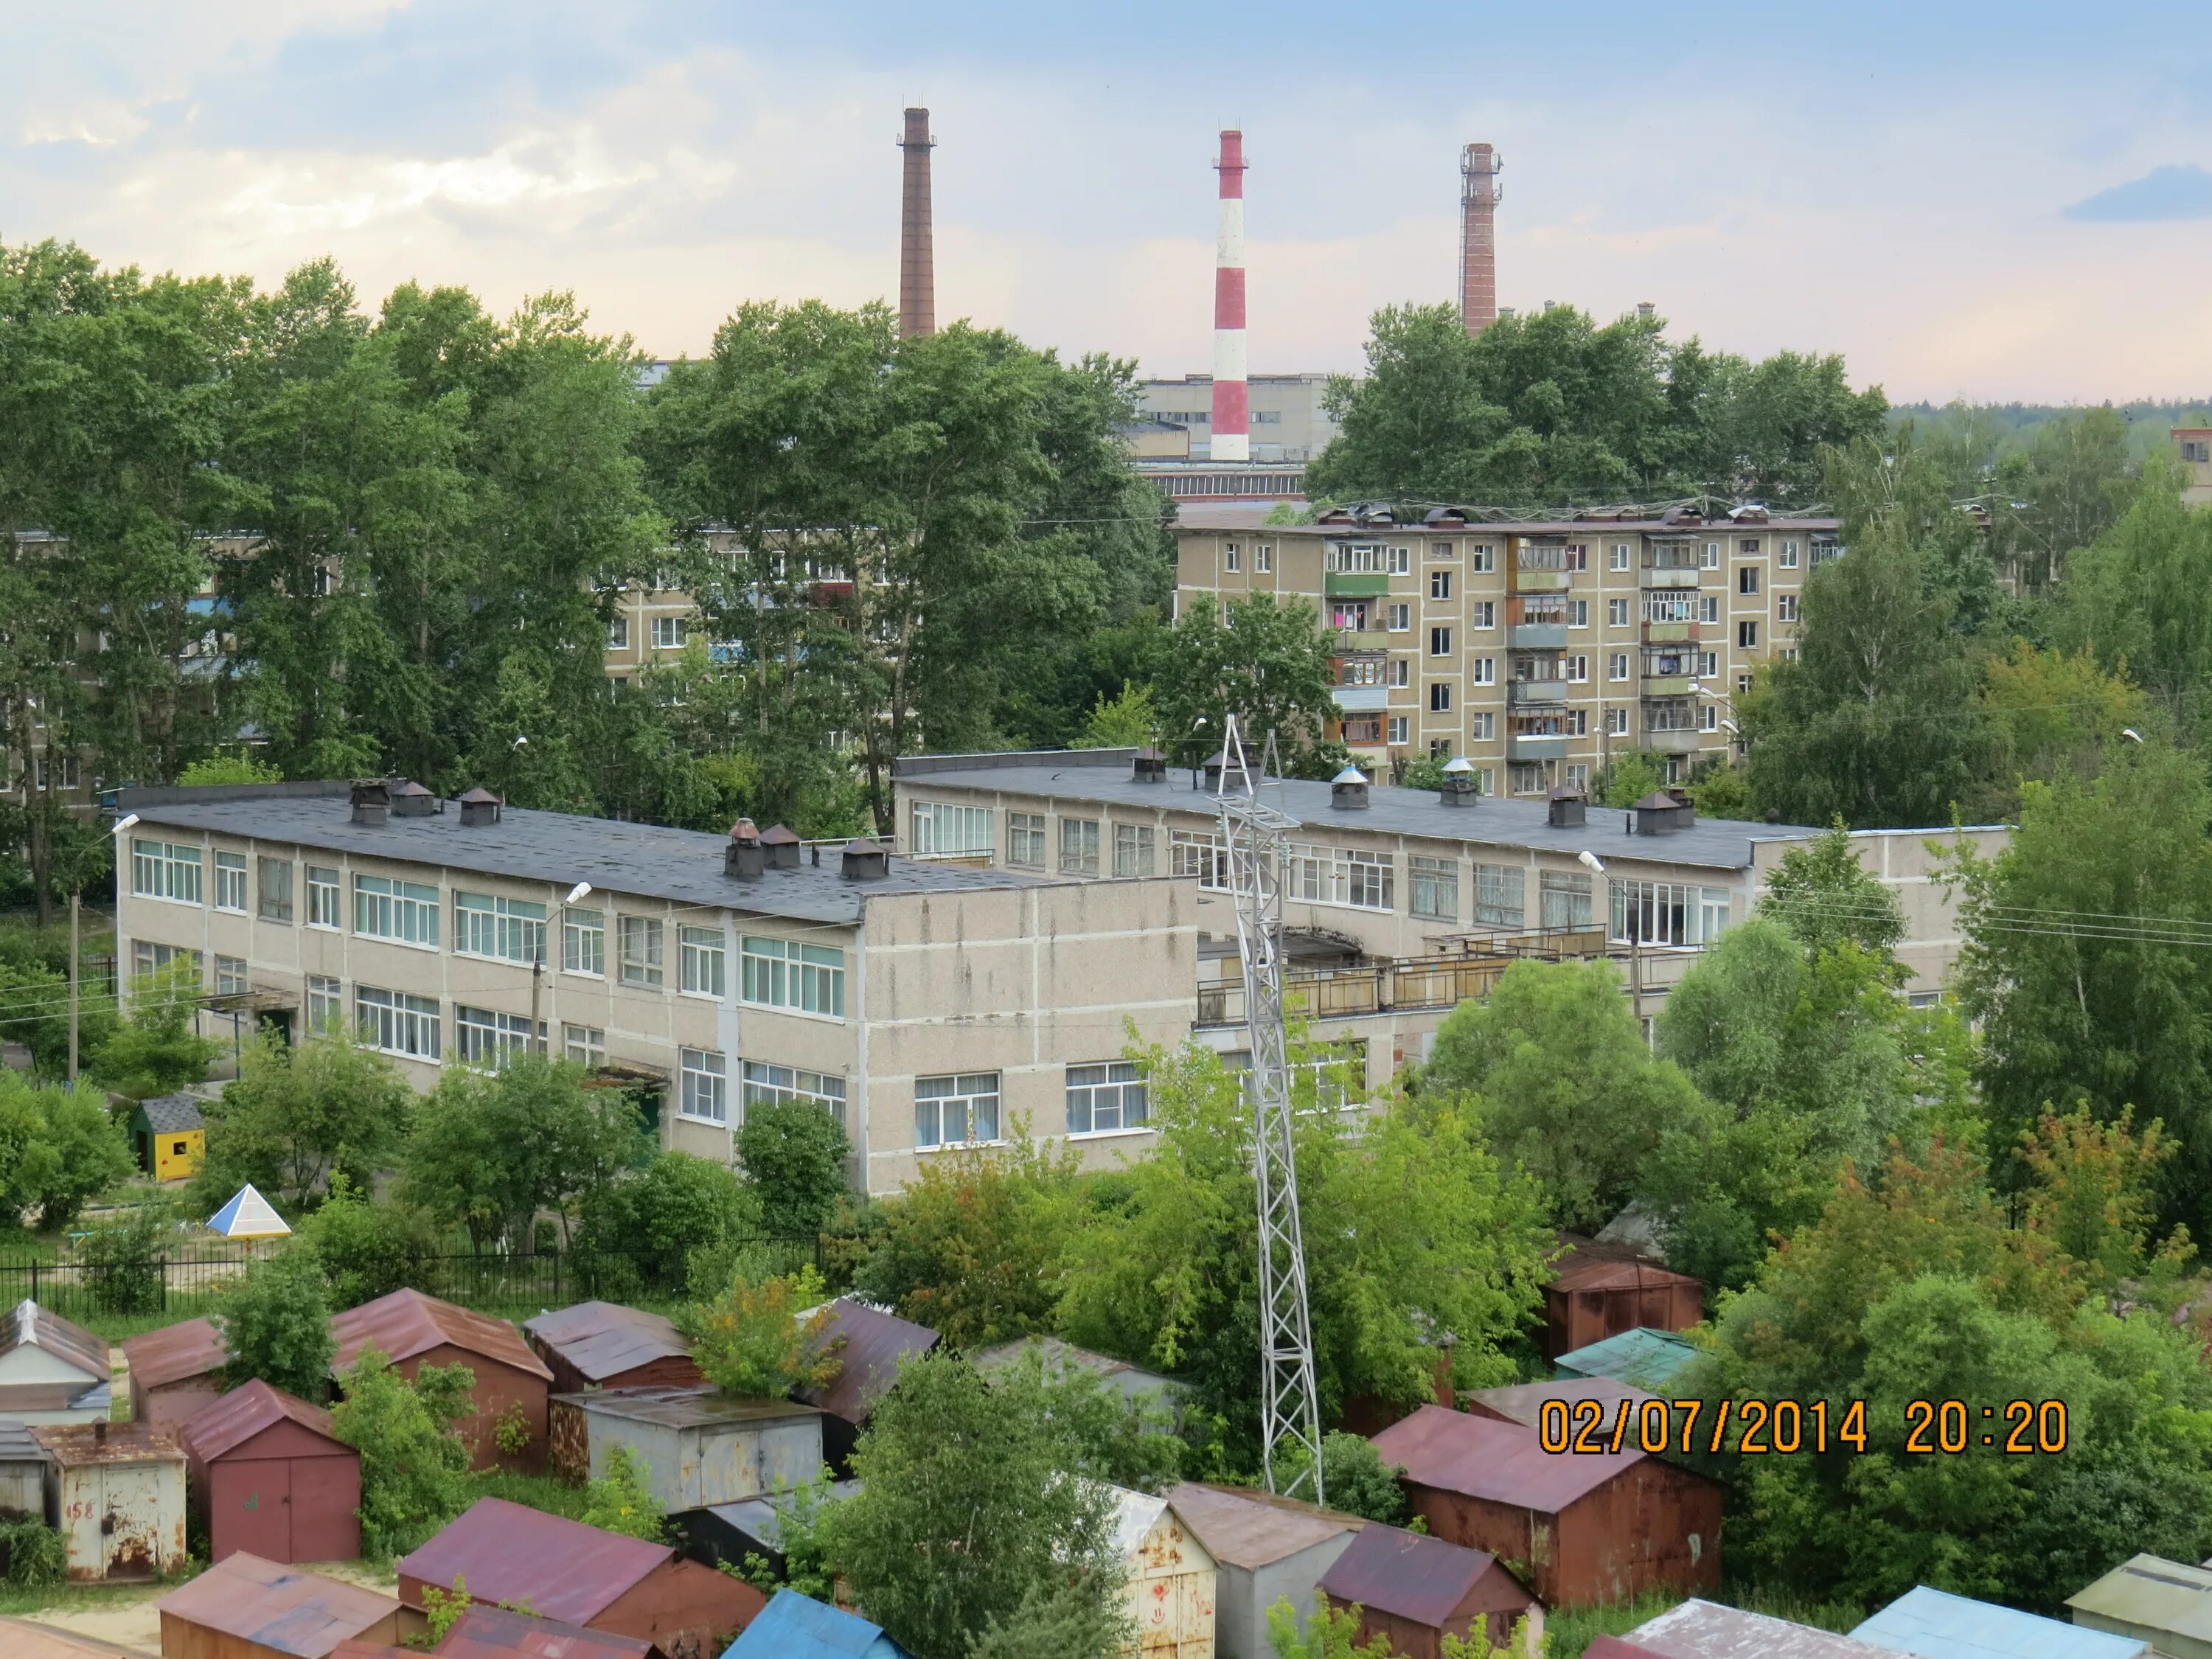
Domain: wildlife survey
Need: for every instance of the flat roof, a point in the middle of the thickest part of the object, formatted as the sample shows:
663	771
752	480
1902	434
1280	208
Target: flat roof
683	867
1103	777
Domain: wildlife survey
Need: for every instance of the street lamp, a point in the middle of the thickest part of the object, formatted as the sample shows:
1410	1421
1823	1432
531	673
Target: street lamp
538	967
1590	861
2129	733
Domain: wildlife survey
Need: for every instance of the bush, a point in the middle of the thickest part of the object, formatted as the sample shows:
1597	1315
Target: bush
120	1260
794	1153
750	1342
58	1152
367	1250
622	1501
674	1208
1355	1480
276	1322
36	1555
414	1468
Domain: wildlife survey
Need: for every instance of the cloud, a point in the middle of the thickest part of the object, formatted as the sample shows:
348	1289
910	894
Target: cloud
2182	192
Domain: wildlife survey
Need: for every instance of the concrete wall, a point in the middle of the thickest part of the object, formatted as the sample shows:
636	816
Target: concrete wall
1909	863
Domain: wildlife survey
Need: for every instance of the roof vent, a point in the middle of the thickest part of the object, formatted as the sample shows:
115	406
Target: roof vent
782	846
1347	790
866	861
745	858
479	806
410	799
1568	807
1152	767
1459	787
1661	814
372	800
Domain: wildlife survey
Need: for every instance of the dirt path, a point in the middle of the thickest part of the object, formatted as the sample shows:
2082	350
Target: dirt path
131	1623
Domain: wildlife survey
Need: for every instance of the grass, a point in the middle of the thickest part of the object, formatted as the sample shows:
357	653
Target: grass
537	1492
76	1598
1571	1631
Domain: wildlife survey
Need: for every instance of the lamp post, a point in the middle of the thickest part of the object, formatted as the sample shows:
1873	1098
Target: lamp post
76	974
537	968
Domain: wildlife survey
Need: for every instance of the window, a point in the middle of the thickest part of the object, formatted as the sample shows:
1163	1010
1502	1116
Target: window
404	911
1482	558
1263	557
1499	891
1616	613
952	831
229	976
1397	728
1616	666
1104	1099
1565	896
512	930
69	778
1398	617
276	890
1616	558
1483	726
1616	722
1709	718
1668	912
230	881
804	979
1440	584
1483	670
585	1046
1442	549
1785	607
669	633
1789	555
149	958
1577	668
1747	545
1743	680
1819	553
1435	887
326	1002
1323	875
583	942
1747	579
767	1085
1482	613
955	1111
1578	776
165	870
322	898
1710	560
1746	635
1708	608
1440	641
1486	780
397	1022
1232	557
1576	722
1439	697
1190	853
1401	672
705	1090
702	952
618	634
1025	839
489	1039
1079	847
1401	561
1709	662
641	950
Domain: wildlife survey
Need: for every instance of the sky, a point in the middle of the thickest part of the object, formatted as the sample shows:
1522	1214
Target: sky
1966	200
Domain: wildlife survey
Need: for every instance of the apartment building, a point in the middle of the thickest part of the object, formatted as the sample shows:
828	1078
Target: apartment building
1399	903
927	1004
2194	446
1541	651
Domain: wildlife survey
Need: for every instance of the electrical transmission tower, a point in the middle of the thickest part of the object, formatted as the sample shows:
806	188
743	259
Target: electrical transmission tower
1290	1402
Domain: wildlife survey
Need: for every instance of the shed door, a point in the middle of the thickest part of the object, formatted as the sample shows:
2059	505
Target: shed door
250	1508
133	1521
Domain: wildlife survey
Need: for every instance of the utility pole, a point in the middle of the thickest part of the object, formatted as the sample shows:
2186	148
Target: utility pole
74	899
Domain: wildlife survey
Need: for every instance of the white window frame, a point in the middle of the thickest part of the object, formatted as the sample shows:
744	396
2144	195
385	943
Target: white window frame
394	1023
702	1092
1617	559
1785	607
1616	613
807	980
1501	896
1396	731
1398	619
1232	558
230	976
1431	887
1440	641
1079	847
230	882
766	1082
702	956
1579	613
1578	667
671	633
584	943
1401	561
618	632
271	903
1482	613
1665	914
170	870
585	1046
325	1003
1788	557
644	955
396	911
948	830
1107	1097
1134	849
325	898
1483	670
498	929
1440	584
1025	840
1616	667
1440	697
1565	901
978	1098
487	1039
1616	722
1482	726
1482	557
1263	558
1193	852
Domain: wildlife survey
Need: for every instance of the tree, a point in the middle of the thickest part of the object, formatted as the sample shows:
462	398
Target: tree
414	1468
1128	720
157	1049
1825	896
241	768
752	1341
58	1152
1329	1634
276	1323
1126	1440
2095	1193
794	1153
1629	778
1357	1479
366	1249
676	1218
2049	712
1269	663
621	1500
299	1115
1069	1620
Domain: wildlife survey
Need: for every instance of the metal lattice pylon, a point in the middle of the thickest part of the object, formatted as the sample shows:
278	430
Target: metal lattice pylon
1290	1401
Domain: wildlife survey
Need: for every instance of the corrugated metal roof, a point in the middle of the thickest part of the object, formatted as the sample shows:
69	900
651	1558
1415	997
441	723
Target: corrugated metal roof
31	1326
2152	1593
407	1323
1643	1356
1706	1630
287	1609
875	1344
1616	1647
1404	1574
16	1445
605	1339
562	1568
1243	1527
1936	1625
174	1353
245	1412
1503	1462
72	1444
795	1626
1125	1378
495	1633
693	1406
358	1649
1523	1402
1587	1266
172	1115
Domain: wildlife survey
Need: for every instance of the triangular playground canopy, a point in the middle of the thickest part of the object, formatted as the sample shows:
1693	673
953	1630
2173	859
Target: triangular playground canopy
248	1215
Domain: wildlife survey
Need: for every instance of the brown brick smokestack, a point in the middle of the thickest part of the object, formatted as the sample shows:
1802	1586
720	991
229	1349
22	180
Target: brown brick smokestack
1478	196
917	250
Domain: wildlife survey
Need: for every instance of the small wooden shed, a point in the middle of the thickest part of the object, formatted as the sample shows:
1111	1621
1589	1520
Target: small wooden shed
1266	1548
871	1344
700	1446
1413	1591
413	1330
1599	1290
264	1475
1171	1577
50	1370
169	1137
497	1634
605	1345
564	1570
1588	1528
245	1607
117	1491
175	1372
22	1473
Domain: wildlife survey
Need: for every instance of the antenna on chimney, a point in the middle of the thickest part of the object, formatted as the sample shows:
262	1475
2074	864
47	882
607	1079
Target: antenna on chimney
917	243
1480	193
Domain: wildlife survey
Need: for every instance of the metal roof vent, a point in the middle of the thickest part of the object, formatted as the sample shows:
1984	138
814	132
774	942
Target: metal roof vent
745	858
782	846
866	861
1150	766
1661	814
479	806
410	799
372	800
1347	790
1569	807
1461	787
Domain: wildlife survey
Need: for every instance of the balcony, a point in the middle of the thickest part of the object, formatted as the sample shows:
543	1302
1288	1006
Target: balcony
1668	685
1381	987
1675	742
1537	636
1538	581
1535	694
1662	578
1350	641
1548	746
1354	584
1362	699
1669	633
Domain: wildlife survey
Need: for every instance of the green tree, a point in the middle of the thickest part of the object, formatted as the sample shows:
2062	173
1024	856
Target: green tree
1269	663
794	1153
1629	778
761	1340
299	1115
366	1249
1825	896
239	768
1129	719
2049	712
2134	598
2095	1192
58	1152
157	1049
414	1468
1069	1620
621	1500
1123	1439
1357	1480
276	1323
679	1213
1329	1634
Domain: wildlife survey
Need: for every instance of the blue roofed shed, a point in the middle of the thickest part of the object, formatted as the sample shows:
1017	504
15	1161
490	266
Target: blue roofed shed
1642	1358
795	1626
1936	1625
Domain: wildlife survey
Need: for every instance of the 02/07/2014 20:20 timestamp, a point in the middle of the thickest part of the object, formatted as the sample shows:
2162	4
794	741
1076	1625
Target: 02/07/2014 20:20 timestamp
1755	1428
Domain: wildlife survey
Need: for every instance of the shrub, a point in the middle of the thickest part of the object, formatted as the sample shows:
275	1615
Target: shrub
414	1468
35	1553
676	1207
622	1501
510	1433
1355	1479
794	1154
367	1250
276	1322
121	1259
57	1151
750	1342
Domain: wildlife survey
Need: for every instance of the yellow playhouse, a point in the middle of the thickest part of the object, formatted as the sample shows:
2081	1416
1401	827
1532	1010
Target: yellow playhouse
168	1137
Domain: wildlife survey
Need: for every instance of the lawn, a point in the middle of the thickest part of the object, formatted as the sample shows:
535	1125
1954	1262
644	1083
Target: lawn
1573	1631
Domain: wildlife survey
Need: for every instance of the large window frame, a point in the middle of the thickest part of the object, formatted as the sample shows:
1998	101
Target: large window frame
394	1023
1107	1097
704	1085
642	961
1193	852
230	882
1566	901
1667	914
971	1102
276	889
1134	847
499	928
170	871
792	977
584	943
703	958
1501	896
1433	887
945	829
766	1083
487	1039
1079	847
1025	840
326	898
395	911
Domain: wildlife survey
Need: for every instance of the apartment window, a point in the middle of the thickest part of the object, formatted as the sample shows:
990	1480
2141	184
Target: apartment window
1785	607
1401	672
1711	559
618	634
1668	912
276	890
1397	729
1232	557
769	1085
1709	662
1133	849
702	952
1577	668
1746	635
955	1111
1434	885
1565	900
512	930
1743	680
1105	1099
641	950
229	976
1577	556
1577	722
1482	558
1482	613
946	830
165	870
1748	544
1401	561
485	1037
1322	875
1616	722
804	979
1025	840
583	942
1439	697
322	898
1483	726
395	1023
1616	613
1263	557
149	958
1578	776
1616	558
1616	668
1483	670
585	1046
1500	892
1440	641
403	911
1079	847
705	1090
669	633
325	1003
1442	549
1789	555
1747	579
1709	718
1190	853
1227	619
1440	584
1399	619
230	881
1708	608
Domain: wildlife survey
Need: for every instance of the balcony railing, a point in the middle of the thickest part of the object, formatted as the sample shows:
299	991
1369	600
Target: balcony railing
1537	635
1350	640
1545	693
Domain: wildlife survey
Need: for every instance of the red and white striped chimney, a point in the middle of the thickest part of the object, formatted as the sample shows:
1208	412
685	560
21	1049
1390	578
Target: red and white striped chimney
1232	417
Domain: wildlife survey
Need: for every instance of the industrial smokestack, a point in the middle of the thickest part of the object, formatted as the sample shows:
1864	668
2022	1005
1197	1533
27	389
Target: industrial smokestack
1232	404
1478	196
917	253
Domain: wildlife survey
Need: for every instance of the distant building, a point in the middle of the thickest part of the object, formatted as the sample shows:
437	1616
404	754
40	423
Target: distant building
1933	1624
1289	423
2194	443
